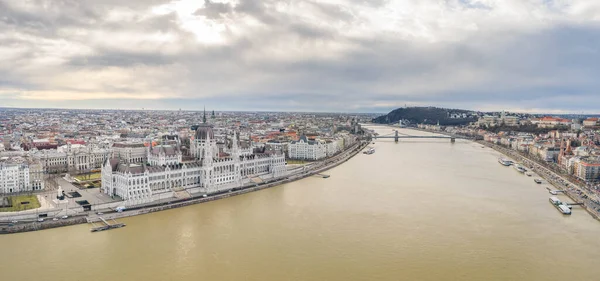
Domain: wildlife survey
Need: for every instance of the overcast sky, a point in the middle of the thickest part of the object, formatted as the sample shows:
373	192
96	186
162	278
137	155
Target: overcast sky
295	55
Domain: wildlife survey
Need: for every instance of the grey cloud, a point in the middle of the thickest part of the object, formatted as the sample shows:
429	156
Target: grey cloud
214	10
549	68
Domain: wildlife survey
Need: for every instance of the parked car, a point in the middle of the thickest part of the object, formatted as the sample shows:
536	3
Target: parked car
64	217
40	220
99	213
14	221
55	219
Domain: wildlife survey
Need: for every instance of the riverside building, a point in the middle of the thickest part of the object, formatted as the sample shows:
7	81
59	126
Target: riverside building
209	171
305	149
20	175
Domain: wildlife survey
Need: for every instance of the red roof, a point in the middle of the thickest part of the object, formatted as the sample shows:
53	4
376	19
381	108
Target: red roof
75	141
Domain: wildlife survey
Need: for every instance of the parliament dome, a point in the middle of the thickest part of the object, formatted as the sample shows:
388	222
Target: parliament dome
204	131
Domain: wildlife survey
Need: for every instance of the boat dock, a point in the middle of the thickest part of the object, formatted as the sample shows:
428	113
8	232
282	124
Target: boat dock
106	225
554	192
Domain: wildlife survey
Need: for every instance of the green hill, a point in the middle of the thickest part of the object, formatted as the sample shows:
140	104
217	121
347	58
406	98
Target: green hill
428	115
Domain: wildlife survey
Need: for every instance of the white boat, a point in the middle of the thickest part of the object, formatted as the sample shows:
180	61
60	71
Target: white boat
529	174
504	162
538	181
520	168
564	209
560	206
554	200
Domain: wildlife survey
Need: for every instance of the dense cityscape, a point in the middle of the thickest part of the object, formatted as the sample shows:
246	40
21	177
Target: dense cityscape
96	161
103	160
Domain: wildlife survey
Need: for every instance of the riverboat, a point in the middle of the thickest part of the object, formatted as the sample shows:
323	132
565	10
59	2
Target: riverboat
504	162
520	168
564	209
369	151
560	206
538	181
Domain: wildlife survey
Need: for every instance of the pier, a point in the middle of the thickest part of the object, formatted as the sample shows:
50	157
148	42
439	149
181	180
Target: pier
106	226
554	192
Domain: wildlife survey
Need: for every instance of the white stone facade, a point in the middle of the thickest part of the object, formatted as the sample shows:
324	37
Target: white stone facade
164	155
130	152
305	149
72	158
20	176
208	173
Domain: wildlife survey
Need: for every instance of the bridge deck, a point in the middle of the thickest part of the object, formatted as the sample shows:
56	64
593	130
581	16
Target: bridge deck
417	137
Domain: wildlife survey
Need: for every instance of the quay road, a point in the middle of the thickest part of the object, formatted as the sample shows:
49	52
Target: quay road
576	192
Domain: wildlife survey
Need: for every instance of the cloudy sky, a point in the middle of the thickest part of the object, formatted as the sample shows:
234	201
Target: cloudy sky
296	55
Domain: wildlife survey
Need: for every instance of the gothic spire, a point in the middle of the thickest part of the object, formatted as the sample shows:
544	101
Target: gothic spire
204	116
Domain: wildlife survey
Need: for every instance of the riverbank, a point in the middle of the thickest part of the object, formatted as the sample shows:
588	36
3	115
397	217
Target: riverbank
574	191
316	168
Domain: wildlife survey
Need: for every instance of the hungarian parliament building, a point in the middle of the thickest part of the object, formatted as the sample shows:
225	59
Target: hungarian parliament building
204	169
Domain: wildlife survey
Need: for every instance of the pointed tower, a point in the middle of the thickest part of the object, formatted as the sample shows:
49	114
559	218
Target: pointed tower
204	116
235	150
235	154
207	167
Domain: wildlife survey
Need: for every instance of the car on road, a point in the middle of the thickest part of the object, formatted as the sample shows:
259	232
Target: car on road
99	213
64	217
40	220
55	219
14	221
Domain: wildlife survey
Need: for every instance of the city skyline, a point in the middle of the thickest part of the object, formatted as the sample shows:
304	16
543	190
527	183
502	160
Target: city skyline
331	56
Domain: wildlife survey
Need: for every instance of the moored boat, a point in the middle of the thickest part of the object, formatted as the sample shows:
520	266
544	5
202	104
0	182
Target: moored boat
560	206
520	168
504	162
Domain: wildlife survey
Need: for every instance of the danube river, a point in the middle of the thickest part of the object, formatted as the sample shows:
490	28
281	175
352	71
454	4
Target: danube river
416	210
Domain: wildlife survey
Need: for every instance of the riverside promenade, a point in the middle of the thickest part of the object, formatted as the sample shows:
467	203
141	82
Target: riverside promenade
576	192
314	169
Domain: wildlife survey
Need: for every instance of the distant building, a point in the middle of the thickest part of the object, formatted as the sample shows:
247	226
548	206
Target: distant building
551	122
590	122
491	120
305	149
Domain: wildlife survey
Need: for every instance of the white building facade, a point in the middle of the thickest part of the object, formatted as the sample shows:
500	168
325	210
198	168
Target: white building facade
130	152
72	158
305	149
207	173
20	176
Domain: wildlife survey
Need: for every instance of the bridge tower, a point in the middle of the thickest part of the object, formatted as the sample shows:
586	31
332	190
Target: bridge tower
452	139
396	136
